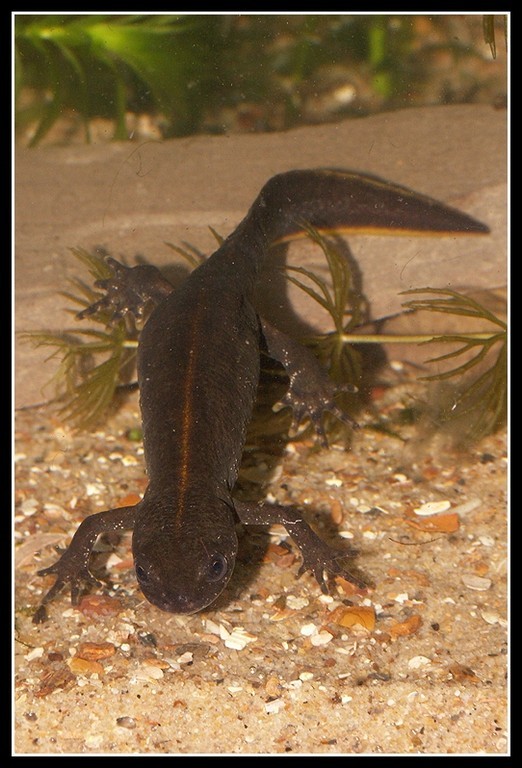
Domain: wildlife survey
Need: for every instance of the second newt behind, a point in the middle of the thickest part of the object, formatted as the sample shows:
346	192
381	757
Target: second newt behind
198	371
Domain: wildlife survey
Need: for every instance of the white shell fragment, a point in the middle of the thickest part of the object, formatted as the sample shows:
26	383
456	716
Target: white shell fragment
467	506
490	617
335	482
471	581
416	662
433	508
321	638
296	603
29	506
274	706
239	639
149	672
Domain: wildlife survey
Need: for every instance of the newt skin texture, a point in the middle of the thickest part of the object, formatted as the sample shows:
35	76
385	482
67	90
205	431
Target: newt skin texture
198	371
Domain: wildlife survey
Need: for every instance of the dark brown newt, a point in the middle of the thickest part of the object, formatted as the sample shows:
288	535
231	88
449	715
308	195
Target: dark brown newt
198	371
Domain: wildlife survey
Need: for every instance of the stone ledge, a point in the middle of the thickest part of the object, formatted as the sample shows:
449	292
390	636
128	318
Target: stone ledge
130	199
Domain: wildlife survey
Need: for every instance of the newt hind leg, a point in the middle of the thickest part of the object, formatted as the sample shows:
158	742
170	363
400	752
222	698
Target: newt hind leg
311	392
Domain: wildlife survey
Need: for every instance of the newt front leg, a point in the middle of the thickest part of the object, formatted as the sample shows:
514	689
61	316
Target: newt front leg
318	556
73	565
129	289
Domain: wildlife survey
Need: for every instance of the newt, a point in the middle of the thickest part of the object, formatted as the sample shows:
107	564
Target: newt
198	366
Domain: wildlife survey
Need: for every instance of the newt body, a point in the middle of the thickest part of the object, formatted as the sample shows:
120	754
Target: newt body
198	371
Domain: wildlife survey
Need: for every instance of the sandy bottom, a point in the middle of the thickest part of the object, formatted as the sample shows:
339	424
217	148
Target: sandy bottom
418	665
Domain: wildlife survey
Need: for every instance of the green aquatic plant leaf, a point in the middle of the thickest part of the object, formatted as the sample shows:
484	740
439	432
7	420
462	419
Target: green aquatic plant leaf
189	253
479	396
452	302
89	371
477	402
488	30
92	361
102	64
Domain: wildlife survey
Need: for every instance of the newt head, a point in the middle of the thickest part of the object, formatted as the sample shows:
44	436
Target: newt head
182	564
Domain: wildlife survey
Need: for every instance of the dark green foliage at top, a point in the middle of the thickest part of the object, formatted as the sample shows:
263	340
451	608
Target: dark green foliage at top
104	65
187	70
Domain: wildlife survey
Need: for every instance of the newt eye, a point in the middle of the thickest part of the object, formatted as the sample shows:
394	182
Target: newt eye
141	573
217	568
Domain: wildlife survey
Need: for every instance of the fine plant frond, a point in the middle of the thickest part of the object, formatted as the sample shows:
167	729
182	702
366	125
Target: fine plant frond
455	304
95	263
188	252
192	254
219	238
481	399
482	347
481	406
92	361
488	28
478	404
85	385
94	395
341	300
